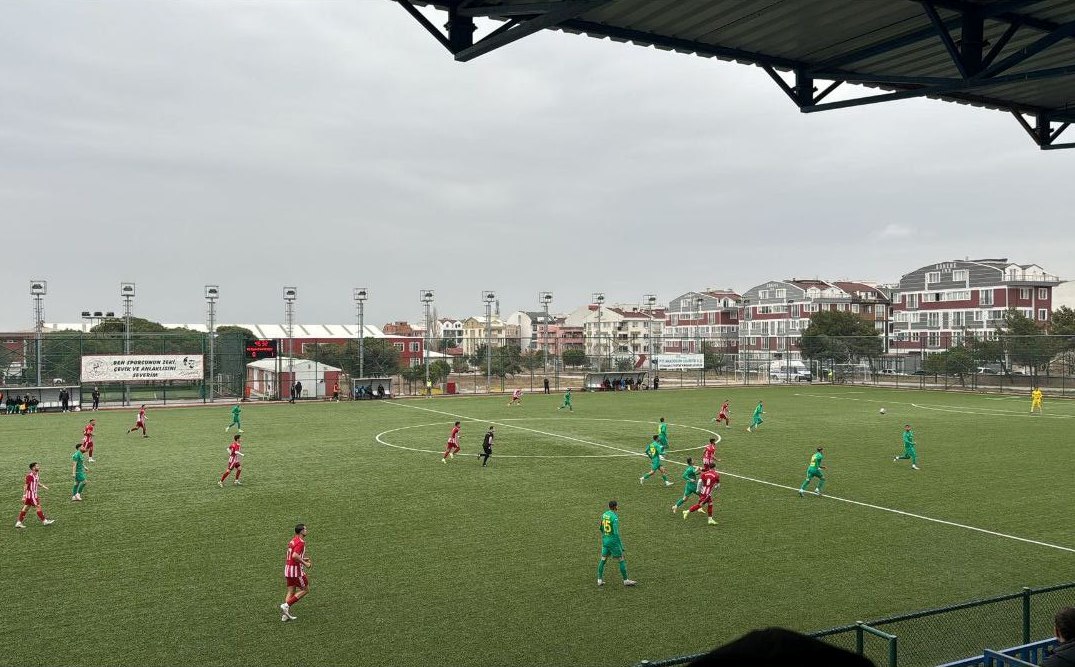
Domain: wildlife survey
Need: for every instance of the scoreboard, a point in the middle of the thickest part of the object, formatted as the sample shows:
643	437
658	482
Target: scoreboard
261	349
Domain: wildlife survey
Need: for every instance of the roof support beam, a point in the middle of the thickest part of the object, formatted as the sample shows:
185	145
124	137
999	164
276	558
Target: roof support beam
946	37
1042	132
1061	32
563	10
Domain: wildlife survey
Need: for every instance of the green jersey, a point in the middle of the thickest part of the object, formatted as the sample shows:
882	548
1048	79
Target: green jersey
610	526
908	439
757	411
690	475
654	450
815	461
663	430
567	398
235	412
80	462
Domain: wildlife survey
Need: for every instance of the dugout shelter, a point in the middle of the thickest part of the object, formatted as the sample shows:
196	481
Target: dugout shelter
1013	56
614	381
371	388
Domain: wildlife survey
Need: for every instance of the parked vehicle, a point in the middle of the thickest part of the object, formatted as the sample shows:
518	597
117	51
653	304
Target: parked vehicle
788	371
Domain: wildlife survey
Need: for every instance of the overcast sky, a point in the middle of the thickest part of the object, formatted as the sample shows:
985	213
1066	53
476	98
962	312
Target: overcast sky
335	144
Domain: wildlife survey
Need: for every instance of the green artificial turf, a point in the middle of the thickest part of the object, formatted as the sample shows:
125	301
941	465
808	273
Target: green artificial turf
416	562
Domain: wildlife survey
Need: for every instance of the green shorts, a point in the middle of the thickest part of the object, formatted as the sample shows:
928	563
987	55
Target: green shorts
814	472
80	477
663	439
655	463
689	489
612	548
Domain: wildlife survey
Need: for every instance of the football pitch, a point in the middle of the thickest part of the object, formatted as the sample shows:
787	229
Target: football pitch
415	562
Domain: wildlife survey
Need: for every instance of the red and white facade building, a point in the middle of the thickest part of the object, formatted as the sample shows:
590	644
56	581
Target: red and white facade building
694	318
940	305
774	314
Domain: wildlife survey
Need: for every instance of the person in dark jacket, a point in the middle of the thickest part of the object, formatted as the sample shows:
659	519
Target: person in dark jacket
1064	654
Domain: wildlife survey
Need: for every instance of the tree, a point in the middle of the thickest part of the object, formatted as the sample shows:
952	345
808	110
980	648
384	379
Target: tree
574	357
1063	322
1024	342
439	371
382	357
624	365
841	336
714	359
956	361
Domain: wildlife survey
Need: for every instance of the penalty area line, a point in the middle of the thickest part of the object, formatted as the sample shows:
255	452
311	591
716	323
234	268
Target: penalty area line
858	503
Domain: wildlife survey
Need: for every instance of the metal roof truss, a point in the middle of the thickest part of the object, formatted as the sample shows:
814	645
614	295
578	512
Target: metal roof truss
973	75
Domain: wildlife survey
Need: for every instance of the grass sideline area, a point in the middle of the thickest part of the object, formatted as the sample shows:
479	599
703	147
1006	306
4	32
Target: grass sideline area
416	562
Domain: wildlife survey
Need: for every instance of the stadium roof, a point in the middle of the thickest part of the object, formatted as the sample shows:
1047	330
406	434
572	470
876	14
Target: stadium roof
1016	56
299	331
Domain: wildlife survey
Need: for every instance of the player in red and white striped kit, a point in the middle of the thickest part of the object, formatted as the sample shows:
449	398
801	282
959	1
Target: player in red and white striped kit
453	444
722	416
516	397
87	438
709	453
30	499
140	423
234	461
298	585
708	481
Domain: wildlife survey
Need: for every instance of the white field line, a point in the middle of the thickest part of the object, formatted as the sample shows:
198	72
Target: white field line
765	482
983	412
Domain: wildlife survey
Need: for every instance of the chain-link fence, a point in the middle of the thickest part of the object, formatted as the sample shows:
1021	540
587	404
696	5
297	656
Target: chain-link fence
945	634
622	361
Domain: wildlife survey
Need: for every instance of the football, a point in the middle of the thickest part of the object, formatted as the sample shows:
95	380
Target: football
882	411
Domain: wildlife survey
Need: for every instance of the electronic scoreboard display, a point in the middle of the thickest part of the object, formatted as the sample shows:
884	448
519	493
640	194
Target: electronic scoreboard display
261	349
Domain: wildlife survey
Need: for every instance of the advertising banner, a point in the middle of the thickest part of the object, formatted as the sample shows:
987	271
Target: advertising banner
142	367
679	362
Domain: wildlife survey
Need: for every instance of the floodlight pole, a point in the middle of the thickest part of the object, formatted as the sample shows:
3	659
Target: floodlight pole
545	298
426	297
360	294
787	344
38	289
127	291
599	299
290	294
212	292
489	296
650	300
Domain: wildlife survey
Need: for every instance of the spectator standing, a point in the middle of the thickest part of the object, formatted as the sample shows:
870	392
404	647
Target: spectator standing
96	398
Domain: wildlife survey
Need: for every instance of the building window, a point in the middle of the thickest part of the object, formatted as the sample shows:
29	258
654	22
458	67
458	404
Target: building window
1024	292
781	294
1043	293
933	277
960	275
934	339
414	346
957	318
912	300
985	297
855	308
963	295
934	320
398	346
1043	314
763	294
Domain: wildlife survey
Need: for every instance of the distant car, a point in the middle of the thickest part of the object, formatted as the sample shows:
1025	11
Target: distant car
886	371
918	372
985	370
1017	372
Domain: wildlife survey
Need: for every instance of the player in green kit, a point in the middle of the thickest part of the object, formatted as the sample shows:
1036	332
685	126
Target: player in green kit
690	476
755	421
235	410
611	544
567	401
814	470
662	434
78	471
909	447
654	451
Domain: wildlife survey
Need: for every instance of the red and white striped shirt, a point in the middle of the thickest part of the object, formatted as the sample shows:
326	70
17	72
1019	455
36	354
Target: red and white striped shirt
295	549
29	496
707	455
233	453
453	439
708	480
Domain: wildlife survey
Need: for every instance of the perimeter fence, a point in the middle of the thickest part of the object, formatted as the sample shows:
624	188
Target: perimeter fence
625	361
936	636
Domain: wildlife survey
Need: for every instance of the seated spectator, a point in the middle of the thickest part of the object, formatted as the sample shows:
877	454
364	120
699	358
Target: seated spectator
1064	653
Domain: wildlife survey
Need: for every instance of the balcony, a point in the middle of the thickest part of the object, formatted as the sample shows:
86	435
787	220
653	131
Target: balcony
1031	278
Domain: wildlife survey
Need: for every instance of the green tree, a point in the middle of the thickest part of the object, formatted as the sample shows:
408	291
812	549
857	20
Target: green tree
1025	344
714	359
841	336
935	364
573	357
